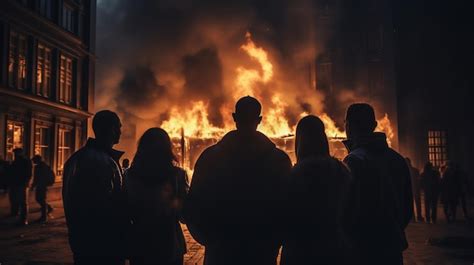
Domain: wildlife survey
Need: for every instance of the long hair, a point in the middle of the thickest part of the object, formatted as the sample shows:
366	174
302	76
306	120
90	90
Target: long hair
154	159
311	139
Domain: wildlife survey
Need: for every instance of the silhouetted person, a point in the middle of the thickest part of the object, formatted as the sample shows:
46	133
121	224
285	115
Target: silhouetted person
19	174
381	201
450	191
156	190
430	183
416	189
317	190
235	203
463	184
125	164
43	177
94	197
3	174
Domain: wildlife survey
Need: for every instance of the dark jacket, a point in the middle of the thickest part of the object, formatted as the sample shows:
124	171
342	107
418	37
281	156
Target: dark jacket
155	209
430	182
236	198
42	175
19	172
95	202
380	200
317	192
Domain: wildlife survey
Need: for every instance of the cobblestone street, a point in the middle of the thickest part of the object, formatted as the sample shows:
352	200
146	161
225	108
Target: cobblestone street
36	244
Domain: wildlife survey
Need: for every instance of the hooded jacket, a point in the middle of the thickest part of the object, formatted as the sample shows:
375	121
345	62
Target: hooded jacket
235	202
94	202
380	200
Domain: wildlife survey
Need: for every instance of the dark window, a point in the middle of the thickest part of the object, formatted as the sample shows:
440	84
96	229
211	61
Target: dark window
65	79
64	148
68	18
437	147
42	142
45	8
43	71
15	137
17	70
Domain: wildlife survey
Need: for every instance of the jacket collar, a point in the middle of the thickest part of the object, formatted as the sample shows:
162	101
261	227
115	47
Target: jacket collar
376	140
115	154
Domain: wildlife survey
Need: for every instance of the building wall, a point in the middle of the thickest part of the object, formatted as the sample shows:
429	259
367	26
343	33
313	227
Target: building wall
50	107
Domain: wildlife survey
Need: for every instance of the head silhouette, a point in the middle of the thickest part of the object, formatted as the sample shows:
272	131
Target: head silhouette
107	127
37	159
18	153
247	114
360	120
428	167
311	138
154	154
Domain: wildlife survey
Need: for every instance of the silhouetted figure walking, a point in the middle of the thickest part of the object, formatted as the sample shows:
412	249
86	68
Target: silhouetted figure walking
156	190
19	175
416	189
317	190
381	201
235	203
43	177
94	197
430	183
450	191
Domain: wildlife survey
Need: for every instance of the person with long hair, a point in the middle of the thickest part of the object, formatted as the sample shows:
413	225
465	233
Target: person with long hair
316	200
156	189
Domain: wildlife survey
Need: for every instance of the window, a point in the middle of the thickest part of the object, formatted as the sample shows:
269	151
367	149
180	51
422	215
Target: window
15	137
65	80
17	61
68	18
42	140
44	8
64	148
43	71
437	147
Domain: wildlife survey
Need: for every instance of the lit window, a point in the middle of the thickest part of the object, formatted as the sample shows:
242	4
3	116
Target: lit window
15	137
42	142
43	71
17	60
437	147
64	148
65	80
68	18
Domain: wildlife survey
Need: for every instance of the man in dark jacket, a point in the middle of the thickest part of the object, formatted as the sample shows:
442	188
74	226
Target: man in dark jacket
43	177
380	202
93	195
430	183
19	175
235	202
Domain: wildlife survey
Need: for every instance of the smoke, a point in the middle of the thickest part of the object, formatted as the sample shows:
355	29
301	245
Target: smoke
155	55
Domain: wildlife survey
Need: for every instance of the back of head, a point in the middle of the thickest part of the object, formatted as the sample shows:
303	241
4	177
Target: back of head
106	126
311	139
360	119
18	152
247	113
37	159
154	155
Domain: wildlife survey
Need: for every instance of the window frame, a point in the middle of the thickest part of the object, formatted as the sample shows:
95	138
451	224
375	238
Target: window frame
438	147
44	89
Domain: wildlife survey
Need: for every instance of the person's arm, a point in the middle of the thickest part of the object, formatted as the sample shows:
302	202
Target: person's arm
35	177
352	207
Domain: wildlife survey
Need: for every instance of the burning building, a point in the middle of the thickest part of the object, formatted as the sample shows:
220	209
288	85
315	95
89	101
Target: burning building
46	77
182	66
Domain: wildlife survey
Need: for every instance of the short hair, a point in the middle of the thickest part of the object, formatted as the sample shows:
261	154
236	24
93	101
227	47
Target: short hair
248	108
361	116
104	120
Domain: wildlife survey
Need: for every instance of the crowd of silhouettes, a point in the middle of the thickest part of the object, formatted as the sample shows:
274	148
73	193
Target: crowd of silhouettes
246	200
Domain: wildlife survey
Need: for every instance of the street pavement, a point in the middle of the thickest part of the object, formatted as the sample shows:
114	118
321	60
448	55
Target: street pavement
46	244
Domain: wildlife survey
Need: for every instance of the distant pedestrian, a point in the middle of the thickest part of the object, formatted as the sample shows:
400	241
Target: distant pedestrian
19	175
416	189
380	199
430	183
43	177
450	191
317	190
236	200
156	190
94	196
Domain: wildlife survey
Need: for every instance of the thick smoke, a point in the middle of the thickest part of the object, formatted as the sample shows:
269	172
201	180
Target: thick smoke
154	55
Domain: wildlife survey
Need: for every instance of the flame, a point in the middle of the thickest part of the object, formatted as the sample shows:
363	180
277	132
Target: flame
384	125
